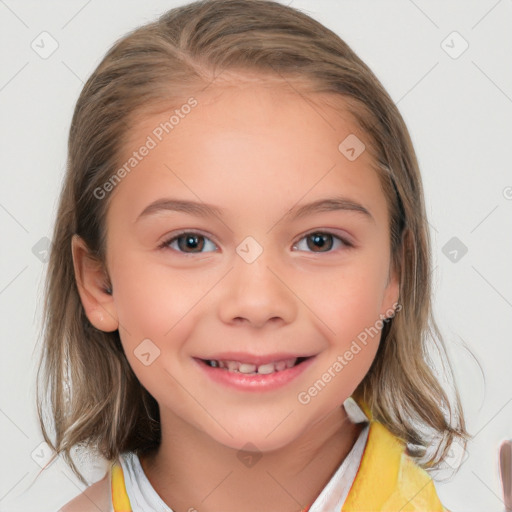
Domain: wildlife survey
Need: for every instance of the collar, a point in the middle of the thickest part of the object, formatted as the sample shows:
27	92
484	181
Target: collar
387	479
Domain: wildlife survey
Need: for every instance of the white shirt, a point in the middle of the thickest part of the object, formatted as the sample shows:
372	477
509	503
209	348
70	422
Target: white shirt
144	498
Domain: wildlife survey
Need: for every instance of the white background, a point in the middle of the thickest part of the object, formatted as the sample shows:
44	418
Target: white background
459	113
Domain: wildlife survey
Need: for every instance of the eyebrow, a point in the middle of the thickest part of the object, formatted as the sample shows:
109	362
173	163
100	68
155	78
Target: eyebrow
207	210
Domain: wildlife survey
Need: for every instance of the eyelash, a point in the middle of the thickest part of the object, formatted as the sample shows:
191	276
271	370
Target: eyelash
165	244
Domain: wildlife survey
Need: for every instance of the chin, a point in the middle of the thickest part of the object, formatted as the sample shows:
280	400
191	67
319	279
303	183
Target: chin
257	438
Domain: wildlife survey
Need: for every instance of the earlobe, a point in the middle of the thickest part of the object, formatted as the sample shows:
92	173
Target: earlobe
92	286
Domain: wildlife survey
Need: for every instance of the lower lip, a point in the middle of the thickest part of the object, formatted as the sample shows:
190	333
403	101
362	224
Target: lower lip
254	382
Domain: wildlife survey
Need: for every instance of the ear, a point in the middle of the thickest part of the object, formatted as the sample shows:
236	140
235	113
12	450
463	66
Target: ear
92	284
391	294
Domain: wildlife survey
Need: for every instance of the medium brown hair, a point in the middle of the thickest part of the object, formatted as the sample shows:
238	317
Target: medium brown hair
95	399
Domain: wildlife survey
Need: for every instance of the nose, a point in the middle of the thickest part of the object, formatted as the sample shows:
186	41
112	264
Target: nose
257	294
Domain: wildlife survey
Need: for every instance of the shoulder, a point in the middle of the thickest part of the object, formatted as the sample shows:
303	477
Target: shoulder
94	499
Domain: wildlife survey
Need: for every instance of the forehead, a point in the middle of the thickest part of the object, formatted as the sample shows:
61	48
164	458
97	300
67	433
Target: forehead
248	144
249	102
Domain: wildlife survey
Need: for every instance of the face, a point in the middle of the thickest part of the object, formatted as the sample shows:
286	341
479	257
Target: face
259	281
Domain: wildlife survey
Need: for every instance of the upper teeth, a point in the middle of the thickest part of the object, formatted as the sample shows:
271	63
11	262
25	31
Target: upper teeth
237	366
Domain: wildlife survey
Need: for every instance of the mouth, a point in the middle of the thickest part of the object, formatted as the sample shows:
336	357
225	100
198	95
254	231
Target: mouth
254	373
255	369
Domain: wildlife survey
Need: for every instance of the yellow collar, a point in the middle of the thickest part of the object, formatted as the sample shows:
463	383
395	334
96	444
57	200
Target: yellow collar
387	480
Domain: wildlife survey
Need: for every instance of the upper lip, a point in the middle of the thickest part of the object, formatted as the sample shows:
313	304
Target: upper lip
253	358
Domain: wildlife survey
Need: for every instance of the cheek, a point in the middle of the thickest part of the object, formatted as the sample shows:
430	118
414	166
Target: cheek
152	298
352	338
348	299
158	304
347	306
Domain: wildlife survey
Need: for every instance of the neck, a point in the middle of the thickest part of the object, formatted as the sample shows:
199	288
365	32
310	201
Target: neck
191	471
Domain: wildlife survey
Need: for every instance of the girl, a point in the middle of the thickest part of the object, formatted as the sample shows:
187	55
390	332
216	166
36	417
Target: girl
220	355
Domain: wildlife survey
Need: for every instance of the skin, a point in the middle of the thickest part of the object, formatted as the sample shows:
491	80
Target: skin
256	151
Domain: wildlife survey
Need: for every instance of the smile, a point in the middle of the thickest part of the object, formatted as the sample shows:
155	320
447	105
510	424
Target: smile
256	375
251	369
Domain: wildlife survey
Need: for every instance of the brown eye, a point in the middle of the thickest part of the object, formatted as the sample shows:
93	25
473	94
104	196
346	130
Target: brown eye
188	243
320	242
